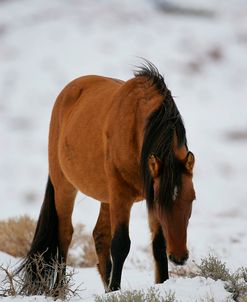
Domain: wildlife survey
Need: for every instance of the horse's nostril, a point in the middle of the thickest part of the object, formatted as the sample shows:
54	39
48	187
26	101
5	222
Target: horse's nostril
178	261
172	258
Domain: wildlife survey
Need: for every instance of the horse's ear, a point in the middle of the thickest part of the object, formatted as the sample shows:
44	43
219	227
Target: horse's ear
154	164
189	162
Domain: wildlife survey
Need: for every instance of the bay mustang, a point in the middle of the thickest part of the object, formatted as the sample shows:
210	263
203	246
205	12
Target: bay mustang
118	142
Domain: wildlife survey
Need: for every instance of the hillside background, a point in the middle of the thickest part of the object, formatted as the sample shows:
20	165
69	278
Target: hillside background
199	46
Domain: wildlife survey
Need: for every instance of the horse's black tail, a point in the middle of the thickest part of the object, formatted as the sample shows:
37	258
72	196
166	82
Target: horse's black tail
44	258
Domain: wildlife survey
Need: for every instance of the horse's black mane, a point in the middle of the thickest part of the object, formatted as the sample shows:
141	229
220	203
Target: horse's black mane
160	128
147	69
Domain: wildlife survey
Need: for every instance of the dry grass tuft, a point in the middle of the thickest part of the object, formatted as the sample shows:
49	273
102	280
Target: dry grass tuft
16	235
58	285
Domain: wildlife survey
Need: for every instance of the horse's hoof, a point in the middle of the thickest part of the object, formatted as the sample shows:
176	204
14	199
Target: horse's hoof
112	289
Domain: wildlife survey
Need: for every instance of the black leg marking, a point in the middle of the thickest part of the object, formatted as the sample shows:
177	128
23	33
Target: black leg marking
120	247
159	252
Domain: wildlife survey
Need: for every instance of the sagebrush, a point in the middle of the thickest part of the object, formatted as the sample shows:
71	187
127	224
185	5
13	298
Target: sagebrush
235	283
151	295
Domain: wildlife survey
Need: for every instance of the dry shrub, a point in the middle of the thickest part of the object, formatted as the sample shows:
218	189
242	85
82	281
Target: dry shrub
212	267
46	284
235	283
151	295
16	235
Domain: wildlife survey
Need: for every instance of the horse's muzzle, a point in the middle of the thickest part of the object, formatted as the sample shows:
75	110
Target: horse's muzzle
179	261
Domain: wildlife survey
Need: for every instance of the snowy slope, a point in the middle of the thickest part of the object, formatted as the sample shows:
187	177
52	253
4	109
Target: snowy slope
45	44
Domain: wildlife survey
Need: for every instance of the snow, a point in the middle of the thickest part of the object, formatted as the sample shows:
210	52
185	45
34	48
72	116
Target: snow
45	44
185	289
197	288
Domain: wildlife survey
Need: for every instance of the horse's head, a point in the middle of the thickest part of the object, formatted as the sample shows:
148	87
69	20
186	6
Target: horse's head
174	218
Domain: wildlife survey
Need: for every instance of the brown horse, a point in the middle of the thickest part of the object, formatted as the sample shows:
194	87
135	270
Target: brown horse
118	142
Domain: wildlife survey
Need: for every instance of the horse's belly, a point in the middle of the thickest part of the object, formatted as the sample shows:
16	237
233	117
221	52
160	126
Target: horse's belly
84	175
81	157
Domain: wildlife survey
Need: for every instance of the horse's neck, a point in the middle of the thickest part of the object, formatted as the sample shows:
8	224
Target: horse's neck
131	107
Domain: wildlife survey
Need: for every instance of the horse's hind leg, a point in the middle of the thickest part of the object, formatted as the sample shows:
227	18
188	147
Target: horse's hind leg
102	240
64	202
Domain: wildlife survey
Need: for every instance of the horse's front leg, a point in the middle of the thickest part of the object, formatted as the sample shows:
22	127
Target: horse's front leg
159	249
120	244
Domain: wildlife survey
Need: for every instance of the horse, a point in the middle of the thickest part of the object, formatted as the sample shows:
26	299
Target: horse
118	142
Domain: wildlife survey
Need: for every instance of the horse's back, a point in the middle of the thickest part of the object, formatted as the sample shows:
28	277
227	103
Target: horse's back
76	141
86	89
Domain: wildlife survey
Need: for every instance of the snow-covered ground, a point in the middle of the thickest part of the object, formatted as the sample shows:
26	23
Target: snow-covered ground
185	289
44	44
